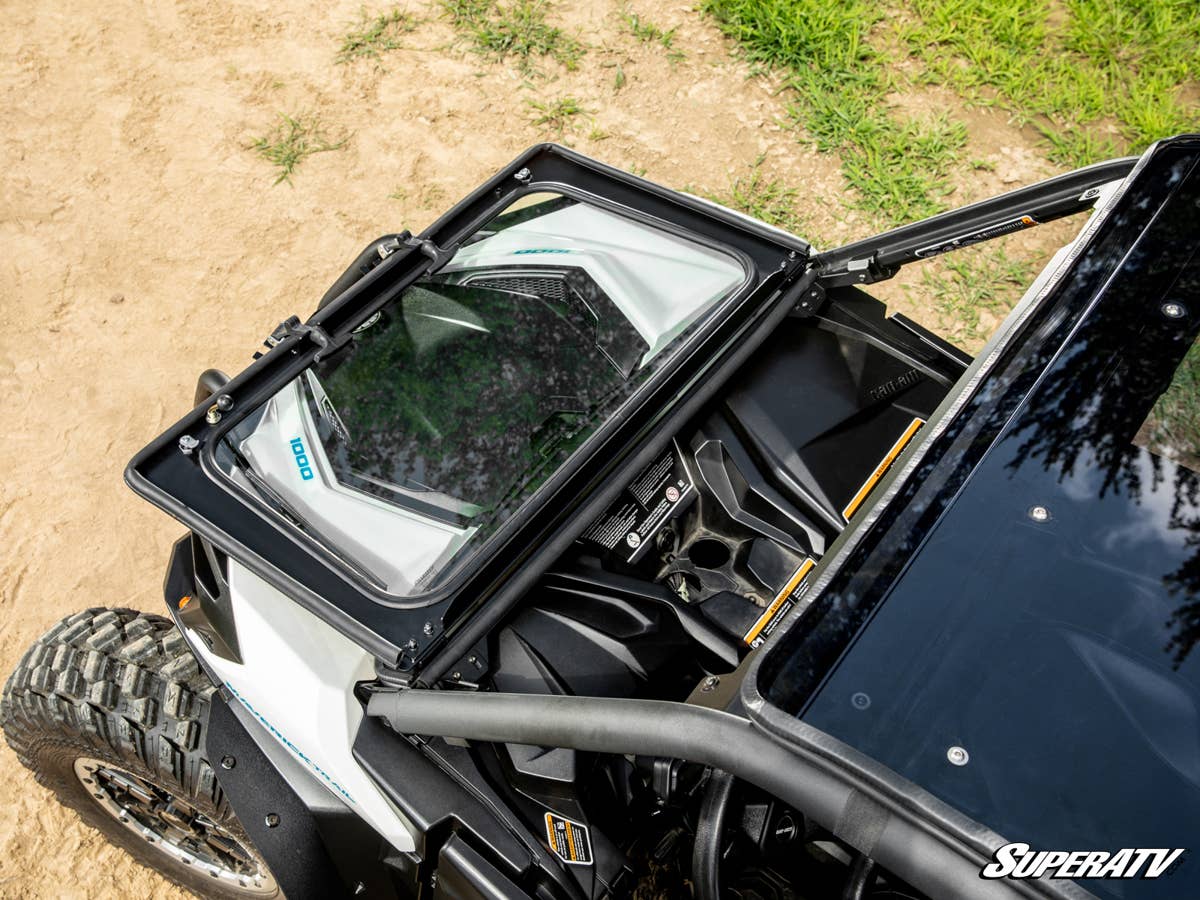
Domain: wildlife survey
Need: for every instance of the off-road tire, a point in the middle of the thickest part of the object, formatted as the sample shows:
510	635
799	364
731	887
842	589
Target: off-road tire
120	687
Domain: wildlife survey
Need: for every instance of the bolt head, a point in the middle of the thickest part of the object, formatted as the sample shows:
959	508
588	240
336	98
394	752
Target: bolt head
272	820
228	762
427	628
958	756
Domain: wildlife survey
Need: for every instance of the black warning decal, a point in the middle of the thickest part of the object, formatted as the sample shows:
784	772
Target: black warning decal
569	840
656	494
975	237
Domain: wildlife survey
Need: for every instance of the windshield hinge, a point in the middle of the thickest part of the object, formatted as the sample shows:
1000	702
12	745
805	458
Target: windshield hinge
439	256
293	327
864	270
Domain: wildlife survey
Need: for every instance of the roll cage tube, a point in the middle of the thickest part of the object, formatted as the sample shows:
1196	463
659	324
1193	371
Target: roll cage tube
897	838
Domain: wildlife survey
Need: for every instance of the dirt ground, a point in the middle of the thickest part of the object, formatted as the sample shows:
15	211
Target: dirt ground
143	241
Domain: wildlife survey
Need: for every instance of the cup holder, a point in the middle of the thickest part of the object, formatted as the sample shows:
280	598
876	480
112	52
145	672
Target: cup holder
708	553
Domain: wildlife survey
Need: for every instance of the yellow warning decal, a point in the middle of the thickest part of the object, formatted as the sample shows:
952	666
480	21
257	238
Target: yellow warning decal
776	610
568	840
879	471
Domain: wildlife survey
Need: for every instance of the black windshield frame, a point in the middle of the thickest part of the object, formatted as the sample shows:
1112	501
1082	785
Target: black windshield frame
194	488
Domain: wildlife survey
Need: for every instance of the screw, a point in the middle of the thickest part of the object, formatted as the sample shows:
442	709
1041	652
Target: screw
1039	514
427	628
228	762
359	888
473	660
213	416
958	756
411	645
188	444
710	683
272	820
1173	310
860	700
523	176
457	676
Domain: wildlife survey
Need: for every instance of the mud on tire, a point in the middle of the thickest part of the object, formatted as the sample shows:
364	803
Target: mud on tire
120	687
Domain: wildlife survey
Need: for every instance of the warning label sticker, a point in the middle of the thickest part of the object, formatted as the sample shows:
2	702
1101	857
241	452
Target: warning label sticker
568	840
656	493
783	603
880	470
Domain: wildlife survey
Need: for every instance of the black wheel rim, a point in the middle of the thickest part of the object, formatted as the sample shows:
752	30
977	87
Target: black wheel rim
174	826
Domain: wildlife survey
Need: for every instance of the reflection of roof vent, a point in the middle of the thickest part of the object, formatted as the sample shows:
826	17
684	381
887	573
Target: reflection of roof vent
552	287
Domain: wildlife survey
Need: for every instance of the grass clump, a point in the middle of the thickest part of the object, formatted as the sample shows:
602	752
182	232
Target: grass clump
291	141
973	285
373	36
766	199
517	30
556	115
1072	68
898	166
649	33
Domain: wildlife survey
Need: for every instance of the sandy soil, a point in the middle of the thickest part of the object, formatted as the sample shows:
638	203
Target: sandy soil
142	242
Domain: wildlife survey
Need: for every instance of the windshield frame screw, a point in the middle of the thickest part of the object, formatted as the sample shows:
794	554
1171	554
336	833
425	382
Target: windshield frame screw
228	762
1039	514
860	700
710	683
213	416
524	176
272	820
188	445
1173	309
427	628
958	756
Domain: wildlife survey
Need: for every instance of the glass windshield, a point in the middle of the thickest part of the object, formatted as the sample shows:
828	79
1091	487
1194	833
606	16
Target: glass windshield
449	408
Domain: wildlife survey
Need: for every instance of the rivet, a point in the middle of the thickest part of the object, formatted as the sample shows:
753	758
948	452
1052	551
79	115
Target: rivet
1173	310
958	756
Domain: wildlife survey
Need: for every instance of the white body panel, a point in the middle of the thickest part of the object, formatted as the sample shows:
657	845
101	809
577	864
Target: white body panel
395	545
297	680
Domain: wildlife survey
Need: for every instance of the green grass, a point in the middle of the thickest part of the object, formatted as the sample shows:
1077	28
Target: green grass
967	284
516	30
1074	68
898	166
291	141
556	115
766	199
373	36
649	33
